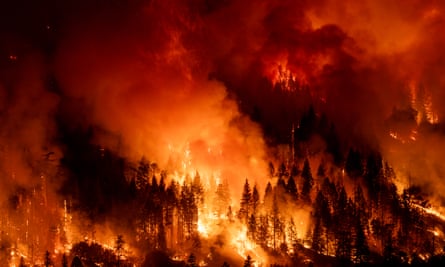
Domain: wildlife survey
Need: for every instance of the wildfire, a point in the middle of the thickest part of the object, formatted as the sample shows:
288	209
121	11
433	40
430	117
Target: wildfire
244	247
288	78
162	109
432	211
422	101
411	138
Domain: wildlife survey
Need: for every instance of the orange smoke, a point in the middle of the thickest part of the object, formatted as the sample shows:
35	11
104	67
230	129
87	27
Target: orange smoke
156	100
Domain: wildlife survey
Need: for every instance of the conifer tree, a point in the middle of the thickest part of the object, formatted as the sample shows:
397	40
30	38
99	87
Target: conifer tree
317	240
251	227
23	264
308	181
222	198
248	262
191	261
245	203
361	244
292	234
291	188
255	200
321	171
64	260
268	196
76	262
353	165
198	189
119	248
142	174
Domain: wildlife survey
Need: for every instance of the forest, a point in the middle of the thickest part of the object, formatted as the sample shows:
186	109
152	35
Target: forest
311	212
264	133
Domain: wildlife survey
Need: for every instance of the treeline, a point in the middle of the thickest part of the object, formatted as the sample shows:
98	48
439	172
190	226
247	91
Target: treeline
357	216
370	224
166	214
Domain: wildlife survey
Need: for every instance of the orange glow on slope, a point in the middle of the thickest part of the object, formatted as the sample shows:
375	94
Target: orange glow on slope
152	92
422	101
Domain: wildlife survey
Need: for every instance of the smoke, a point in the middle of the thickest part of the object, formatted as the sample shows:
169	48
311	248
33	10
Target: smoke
179	81
27	127
399	67
141	80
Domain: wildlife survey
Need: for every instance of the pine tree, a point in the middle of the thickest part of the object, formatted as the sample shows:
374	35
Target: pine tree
343	227
373	175
317	240
308	181
292	234
361	207
161	241
64	260
277	226
222	198
76	262
388	249
23	264
282	171
188	211
198	189
361	244
48	261
248	262
142	174
154	184
171	202
353	165
191	261
280	190
262	230
119	248
291	188
162	182
321	171
268	196
271	170
230	214
245	203
255	199
307	124
294	170
251	228
322	217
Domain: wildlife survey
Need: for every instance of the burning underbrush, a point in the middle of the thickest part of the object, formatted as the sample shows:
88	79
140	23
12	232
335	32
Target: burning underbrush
309	210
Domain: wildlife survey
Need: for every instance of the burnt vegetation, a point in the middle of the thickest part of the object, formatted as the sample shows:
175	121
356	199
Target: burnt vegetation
357	215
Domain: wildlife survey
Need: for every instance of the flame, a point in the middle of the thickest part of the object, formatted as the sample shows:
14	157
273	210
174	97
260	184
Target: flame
243	246
432	211
421	100
431	116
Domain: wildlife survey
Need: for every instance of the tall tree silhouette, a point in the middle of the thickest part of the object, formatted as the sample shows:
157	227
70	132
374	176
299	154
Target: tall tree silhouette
245	203
308	181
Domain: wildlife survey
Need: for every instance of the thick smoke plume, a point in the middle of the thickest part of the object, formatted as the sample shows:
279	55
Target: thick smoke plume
179	81
141	82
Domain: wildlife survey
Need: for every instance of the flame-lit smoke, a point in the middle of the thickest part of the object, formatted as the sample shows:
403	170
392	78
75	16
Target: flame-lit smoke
150	89
170	81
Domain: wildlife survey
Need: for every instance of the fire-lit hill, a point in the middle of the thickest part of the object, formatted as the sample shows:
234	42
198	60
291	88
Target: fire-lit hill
222	133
